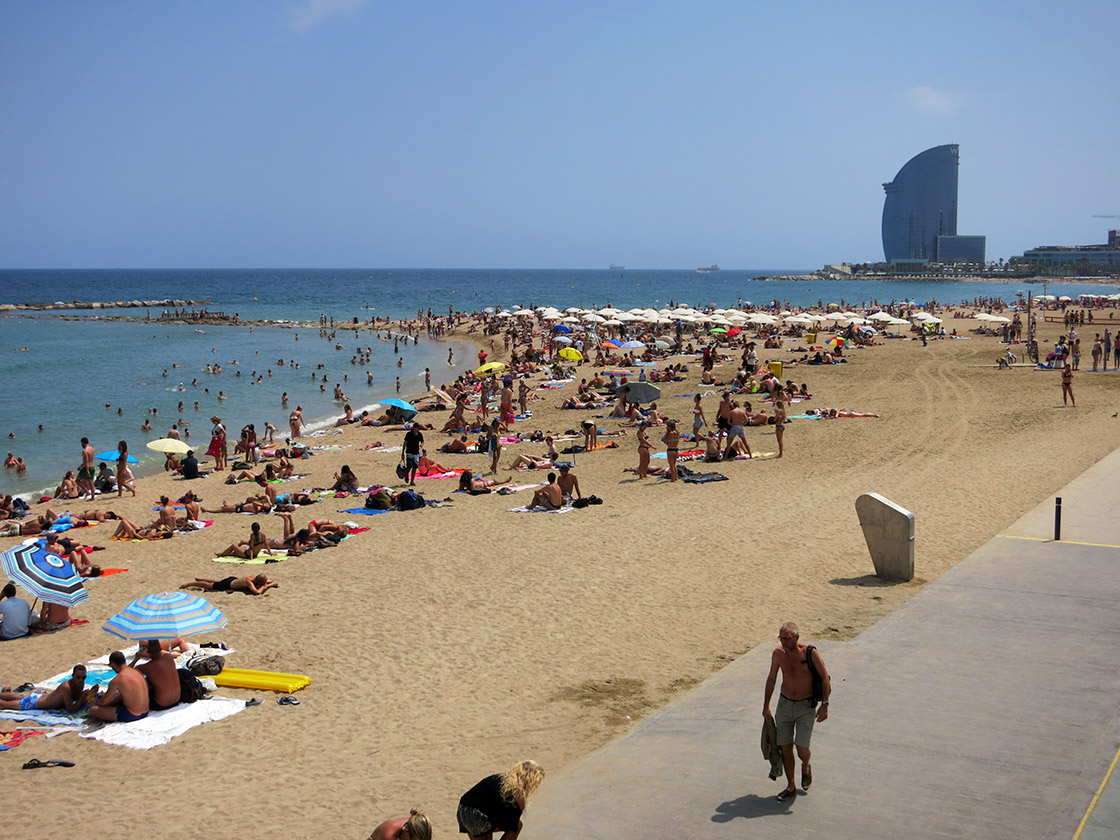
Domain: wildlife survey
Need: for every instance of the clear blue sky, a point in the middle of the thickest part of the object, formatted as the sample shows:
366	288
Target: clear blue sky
339	133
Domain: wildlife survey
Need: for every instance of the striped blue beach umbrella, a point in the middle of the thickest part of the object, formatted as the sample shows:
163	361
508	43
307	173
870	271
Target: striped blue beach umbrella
45	575
166	615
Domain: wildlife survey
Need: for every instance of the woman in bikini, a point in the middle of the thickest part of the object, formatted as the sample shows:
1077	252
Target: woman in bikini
672	441
643	450
68	489
1067	384
248	549
124	474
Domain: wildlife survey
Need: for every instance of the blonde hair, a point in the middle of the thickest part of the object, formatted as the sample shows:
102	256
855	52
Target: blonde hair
419	828
521	781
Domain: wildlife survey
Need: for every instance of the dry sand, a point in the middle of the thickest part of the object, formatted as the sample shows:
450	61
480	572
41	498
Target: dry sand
445	644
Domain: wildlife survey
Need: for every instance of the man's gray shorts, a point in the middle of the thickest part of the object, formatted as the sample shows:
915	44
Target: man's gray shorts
794	719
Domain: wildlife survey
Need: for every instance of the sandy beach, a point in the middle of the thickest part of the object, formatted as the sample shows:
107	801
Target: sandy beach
447	643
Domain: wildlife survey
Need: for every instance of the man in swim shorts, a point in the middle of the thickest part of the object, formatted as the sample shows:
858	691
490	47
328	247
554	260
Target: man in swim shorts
795	714
736	421
549	497
126	697
86	472
70	696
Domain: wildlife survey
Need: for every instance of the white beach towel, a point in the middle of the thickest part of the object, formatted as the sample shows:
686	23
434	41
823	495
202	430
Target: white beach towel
540	510
159	728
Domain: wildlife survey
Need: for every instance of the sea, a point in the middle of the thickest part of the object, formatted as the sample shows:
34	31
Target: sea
76	374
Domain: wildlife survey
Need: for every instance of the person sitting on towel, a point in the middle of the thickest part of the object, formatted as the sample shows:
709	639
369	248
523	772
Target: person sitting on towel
162	676
69	696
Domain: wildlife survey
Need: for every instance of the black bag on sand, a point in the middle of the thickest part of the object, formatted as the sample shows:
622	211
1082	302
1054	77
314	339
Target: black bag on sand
190	689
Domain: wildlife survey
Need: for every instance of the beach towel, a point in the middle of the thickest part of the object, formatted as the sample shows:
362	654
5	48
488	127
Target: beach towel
363	511
565	509
106	572
44	718
11	740
455	473
261	559
690	477
159	728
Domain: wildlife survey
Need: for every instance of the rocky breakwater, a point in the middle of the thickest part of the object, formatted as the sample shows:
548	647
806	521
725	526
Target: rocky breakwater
99	304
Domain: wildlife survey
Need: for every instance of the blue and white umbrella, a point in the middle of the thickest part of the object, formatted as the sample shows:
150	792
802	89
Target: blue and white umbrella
45	575
166	615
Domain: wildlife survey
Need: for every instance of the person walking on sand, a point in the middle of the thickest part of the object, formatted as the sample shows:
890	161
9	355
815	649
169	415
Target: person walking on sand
779	423
86	472
1067	385
497	802
804	676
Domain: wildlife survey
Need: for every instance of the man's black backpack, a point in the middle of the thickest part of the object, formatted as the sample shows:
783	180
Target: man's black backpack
818	680
190	688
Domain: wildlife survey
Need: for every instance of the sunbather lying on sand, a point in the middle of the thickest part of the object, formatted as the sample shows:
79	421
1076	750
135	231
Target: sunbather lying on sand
250	584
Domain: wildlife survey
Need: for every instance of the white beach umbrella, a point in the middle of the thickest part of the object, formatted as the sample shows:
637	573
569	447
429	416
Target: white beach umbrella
881	316
573	309
999	319
571	319
1064	299
504	314
592	318
982	316
608	311
613	322
523	312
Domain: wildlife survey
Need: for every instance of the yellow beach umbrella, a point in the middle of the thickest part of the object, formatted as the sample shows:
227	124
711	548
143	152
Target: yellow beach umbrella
169	446
491	368
571	353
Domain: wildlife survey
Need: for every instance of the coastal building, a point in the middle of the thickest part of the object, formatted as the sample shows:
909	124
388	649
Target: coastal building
920	211
1080	259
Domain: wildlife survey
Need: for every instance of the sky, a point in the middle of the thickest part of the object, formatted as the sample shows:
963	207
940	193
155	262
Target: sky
375	134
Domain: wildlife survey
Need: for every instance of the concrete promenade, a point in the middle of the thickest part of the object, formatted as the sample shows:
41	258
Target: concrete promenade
985	707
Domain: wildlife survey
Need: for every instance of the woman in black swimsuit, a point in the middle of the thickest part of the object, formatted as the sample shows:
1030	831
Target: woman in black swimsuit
672	440
643	450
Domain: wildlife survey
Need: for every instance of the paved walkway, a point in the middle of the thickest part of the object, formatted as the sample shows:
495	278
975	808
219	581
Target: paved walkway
987	706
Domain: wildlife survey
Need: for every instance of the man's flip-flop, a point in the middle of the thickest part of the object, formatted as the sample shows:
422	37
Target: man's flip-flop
288	700
54	762
788	793
256	701
806	779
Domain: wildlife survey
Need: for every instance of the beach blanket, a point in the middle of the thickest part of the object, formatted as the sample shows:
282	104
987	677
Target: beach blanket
455	473
687	455
159	728
11	740
565	509
806	416
690	477
261	559
44	718
363	511
106	572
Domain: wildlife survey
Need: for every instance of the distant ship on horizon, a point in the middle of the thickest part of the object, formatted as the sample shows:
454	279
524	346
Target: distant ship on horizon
705	270
617	267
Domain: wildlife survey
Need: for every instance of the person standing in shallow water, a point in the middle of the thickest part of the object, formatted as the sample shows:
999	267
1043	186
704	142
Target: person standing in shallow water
795	713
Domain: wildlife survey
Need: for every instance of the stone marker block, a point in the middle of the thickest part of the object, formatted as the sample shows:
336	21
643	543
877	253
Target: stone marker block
889	531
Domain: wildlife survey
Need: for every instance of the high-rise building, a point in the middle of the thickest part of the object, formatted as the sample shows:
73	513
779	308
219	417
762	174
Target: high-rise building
921	206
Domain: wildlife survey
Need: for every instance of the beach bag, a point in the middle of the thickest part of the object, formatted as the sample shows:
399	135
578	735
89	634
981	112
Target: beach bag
410	500
190	689
206	666
381	500
818	680
402	470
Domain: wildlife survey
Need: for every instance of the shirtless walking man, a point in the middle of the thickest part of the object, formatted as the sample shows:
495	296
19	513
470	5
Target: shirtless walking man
795	715
126	697
87	472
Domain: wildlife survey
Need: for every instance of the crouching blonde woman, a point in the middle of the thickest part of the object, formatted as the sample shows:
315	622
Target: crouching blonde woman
497	802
